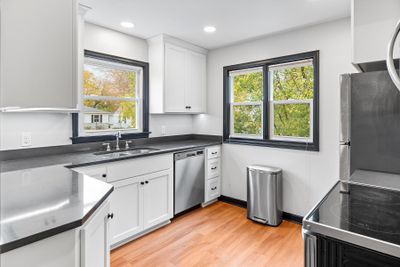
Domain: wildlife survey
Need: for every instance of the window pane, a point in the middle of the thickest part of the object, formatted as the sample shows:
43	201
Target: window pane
108	81
292	82
109	115
248	87
292	120
247	120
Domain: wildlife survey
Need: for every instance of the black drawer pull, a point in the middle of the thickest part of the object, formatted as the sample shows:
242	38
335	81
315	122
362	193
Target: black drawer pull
104	175
142	183
213	188
147	182
213	168
110	216
214	153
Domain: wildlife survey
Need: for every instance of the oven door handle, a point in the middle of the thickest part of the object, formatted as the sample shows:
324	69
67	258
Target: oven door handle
310	249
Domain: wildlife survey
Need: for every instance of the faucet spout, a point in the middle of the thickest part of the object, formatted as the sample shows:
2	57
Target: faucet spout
117	137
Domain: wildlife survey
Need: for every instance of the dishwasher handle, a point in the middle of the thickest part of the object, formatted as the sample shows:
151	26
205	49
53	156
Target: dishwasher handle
188	154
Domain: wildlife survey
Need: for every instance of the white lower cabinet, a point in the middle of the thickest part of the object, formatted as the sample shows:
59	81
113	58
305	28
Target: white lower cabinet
157	198
212	178
140	203
95	244
127	206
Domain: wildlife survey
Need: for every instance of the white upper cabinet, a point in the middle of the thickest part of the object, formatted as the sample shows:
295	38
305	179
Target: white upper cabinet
38	55
175	58
373	24
177	76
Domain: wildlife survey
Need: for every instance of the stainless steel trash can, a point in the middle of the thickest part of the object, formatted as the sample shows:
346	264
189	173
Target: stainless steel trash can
264	194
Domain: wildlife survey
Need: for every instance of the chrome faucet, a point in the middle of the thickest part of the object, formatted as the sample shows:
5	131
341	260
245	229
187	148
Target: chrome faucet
117	136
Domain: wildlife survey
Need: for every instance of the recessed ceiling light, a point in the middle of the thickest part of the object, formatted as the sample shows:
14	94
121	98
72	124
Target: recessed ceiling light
210	29
127	24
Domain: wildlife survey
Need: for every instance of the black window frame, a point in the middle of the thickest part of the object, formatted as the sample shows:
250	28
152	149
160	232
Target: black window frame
76	139
266	141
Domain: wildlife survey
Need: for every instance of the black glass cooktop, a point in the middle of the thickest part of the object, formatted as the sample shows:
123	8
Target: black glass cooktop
367	211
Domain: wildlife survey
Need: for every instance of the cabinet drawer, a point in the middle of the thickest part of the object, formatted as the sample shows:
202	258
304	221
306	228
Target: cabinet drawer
213	152
139	166
213	168
212	189
98	172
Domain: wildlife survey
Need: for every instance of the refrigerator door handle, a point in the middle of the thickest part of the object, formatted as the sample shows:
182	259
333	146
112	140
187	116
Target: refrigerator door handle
345	108
389	57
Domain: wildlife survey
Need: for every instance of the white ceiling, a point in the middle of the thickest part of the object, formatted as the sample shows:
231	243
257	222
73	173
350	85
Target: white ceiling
236	20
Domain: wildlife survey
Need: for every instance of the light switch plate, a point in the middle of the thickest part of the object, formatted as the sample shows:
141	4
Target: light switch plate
26	139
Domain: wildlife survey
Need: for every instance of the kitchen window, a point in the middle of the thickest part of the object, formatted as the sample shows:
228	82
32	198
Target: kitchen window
273	102
114	98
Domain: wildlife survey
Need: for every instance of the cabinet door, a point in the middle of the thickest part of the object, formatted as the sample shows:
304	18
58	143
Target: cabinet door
157	198
126	205
195	88
95	246
38	53
174	78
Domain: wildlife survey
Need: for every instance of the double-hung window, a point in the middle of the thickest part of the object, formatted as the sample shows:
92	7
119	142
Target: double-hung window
114	98
273	102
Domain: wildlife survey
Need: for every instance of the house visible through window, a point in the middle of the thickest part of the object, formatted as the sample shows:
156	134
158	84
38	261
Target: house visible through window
96	118
273	102
114	96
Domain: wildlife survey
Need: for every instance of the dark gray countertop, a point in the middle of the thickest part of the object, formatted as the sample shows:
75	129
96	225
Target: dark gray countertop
79	159
40	197
41	202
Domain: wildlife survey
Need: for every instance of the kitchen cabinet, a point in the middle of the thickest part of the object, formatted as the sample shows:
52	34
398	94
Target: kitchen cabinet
213	173
38	54
143	194
127	207
140	203
177	76
86	246
157	196
373	24
95	242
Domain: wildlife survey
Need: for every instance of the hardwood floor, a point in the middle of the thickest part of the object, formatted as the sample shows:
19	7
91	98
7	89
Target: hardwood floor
218	235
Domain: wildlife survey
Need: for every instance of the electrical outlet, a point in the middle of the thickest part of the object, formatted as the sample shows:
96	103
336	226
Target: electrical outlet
26	139
163	130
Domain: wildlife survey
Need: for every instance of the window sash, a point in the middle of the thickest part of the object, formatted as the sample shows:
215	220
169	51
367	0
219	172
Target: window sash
232	121
138	100
272	136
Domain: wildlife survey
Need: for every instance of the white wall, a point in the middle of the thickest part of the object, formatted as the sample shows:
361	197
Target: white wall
55	129
307	175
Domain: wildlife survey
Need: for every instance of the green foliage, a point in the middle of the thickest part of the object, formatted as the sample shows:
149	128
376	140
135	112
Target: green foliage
248	87
292	120
296	83
247	120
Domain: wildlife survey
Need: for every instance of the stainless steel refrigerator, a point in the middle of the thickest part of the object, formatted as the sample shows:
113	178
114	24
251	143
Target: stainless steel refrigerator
369	124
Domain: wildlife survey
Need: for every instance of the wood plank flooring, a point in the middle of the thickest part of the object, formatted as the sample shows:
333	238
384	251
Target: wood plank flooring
218	235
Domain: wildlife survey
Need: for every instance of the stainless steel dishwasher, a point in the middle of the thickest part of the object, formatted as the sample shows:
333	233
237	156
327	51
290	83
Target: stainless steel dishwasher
189	180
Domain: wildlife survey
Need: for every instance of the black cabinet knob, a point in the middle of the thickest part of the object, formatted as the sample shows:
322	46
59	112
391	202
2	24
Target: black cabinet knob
147	182
110	216
104	175
142	183
187	107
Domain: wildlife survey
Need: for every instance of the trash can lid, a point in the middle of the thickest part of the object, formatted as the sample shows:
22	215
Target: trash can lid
264	168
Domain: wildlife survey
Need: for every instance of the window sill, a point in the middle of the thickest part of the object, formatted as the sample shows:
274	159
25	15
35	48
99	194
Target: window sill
102	138
274	143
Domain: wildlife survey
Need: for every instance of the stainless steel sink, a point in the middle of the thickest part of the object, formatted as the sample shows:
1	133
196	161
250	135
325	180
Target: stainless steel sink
124	153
